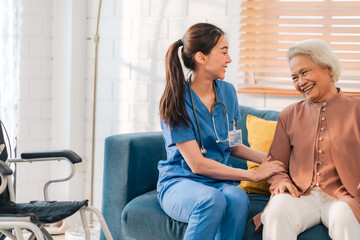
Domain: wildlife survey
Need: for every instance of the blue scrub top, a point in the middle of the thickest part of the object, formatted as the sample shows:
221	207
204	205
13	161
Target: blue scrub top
174	168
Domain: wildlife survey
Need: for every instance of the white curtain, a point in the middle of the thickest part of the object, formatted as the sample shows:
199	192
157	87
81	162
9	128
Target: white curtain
9	66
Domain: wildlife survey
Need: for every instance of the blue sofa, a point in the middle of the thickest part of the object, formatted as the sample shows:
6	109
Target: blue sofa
130	206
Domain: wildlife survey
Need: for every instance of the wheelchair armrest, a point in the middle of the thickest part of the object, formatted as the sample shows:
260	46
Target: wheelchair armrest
5	170
71	155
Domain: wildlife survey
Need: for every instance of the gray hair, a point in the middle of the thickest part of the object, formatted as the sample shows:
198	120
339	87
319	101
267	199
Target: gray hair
319	52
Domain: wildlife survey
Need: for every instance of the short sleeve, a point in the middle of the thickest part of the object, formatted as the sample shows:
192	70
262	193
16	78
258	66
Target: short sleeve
178	134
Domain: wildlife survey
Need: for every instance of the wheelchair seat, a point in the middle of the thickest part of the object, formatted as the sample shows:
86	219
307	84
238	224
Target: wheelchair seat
44	211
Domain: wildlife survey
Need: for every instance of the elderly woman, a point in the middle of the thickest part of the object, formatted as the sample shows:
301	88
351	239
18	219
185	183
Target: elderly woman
318	140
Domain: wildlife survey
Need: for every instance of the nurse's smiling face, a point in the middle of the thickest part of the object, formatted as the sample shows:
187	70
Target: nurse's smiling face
218	59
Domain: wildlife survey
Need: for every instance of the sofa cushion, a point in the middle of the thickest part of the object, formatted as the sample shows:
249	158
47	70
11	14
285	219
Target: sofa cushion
260	136
264	114
317	232
155	224
257	204
146	210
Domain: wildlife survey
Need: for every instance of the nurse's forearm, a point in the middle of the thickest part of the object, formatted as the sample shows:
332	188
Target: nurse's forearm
213	169
247	153
208	167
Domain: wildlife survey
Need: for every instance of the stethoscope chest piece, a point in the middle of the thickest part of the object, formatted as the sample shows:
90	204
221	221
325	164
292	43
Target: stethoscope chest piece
203	150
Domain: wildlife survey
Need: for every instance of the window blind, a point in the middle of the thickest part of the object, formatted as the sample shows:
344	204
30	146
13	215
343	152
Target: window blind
269	28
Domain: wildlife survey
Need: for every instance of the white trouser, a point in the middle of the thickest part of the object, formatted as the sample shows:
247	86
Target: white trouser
285	217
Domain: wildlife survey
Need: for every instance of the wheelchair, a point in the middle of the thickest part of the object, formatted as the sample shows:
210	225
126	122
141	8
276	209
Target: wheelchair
33	216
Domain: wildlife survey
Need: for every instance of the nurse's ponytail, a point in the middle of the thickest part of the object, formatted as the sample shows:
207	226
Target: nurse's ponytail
201	37
172	103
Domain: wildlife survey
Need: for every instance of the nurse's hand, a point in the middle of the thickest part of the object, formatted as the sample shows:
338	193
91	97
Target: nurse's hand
358	187
266	169
286	187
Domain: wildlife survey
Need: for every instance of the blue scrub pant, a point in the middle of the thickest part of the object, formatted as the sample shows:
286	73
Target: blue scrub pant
212	212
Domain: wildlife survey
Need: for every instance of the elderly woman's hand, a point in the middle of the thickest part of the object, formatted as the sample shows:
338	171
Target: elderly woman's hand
284	187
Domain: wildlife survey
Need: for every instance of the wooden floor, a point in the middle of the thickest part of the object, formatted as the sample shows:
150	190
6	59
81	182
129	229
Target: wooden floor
95	235
59	237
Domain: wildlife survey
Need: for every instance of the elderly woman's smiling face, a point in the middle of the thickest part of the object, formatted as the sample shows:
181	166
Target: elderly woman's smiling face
311	80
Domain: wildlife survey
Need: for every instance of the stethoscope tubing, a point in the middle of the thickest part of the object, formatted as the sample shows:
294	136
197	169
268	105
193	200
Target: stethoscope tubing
228	127
202	149
212	109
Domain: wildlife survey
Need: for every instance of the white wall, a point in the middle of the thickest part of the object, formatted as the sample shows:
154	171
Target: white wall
52	94
57	75
35	94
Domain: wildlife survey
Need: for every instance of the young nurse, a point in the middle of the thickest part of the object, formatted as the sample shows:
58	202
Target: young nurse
198	116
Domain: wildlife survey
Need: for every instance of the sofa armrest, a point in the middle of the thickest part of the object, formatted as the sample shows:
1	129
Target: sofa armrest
130	169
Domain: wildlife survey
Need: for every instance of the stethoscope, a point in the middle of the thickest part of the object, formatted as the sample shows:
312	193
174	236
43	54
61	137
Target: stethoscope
212	109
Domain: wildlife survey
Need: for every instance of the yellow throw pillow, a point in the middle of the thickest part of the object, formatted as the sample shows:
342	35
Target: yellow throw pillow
260	136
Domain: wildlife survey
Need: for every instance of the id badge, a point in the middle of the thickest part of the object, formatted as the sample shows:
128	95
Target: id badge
235	138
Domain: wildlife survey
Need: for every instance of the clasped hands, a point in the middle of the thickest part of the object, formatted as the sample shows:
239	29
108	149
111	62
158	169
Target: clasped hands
283	186
267	168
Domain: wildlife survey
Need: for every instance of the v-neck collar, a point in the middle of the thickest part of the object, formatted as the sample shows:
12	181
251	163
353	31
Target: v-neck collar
197	101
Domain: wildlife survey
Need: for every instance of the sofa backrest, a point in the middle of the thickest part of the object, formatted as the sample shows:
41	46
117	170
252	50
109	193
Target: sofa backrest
130	169
130	164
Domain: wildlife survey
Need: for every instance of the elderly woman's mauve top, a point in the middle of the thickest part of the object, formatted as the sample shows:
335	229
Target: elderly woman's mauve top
320	146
